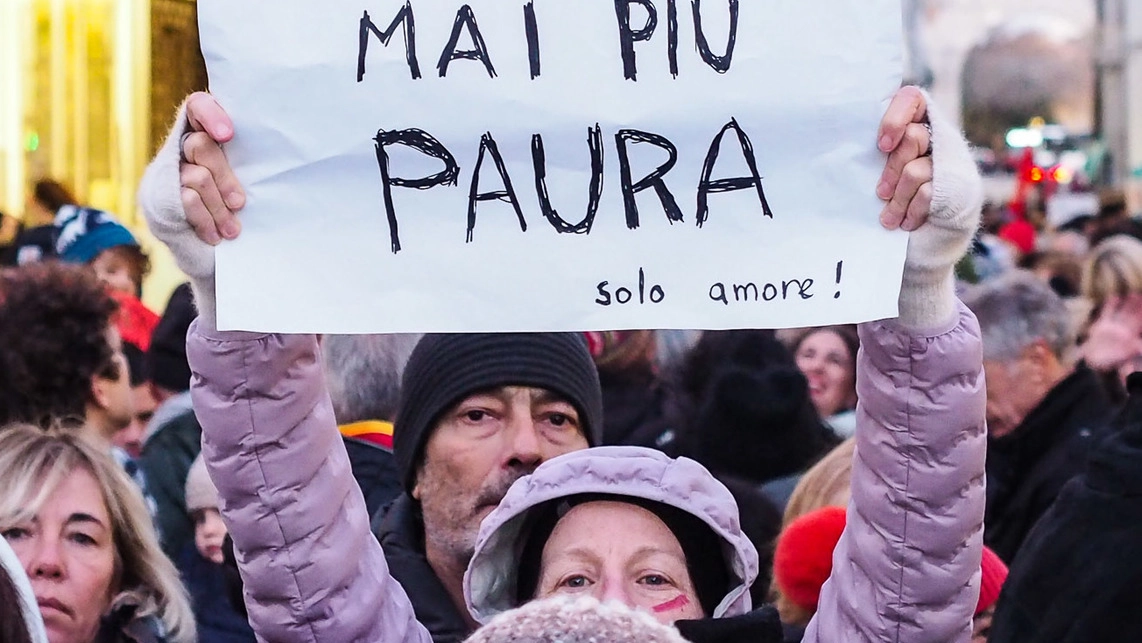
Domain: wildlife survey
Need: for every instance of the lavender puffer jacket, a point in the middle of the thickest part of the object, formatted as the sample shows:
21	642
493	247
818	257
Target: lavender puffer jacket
906	569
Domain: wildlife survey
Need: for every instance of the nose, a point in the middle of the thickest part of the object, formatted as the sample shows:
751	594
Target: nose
611	589
523	441
45	561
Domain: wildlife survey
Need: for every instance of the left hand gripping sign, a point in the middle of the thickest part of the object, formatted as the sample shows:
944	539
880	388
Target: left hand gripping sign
512	165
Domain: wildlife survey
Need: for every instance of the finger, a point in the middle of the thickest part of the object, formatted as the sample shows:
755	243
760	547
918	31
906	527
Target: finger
206	115
198	217
918	208
907	106
915	174
199	180
199	149
914	145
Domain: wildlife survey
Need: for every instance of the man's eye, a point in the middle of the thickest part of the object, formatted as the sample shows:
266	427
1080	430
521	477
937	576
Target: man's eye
558	419
475	416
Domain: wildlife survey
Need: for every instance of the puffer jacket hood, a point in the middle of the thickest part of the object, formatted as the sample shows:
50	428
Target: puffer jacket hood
636	472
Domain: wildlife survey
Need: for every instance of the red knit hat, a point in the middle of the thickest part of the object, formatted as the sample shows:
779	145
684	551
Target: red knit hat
803	559
994	573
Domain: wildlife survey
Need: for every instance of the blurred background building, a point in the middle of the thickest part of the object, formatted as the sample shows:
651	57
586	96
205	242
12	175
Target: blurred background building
87	91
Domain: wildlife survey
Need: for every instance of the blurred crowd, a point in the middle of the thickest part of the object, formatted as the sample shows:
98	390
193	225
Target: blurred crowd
103	488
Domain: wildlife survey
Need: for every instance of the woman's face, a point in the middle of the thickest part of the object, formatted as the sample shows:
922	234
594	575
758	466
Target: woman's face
67	549
826	362
616	551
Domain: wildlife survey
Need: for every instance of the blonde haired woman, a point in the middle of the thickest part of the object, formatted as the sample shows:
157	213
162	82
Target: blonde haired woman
82	533
1114	269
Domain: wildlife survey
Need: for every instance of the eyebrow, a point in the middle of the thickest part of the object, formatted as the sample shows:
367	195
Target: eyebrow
80	517
545	396
641	553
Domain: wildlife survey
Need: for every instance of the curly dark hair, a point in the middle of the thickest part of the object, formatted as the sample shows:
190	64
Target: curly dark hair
53	340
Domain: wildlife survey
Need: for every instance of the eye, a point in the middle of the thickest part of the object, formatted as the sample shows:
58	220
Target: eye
15	533
655	580
81	538
578	581
475	415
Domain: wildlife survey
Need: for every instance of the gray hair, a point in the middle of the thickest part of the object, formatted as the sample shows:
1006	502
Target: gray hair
363	373
1017	309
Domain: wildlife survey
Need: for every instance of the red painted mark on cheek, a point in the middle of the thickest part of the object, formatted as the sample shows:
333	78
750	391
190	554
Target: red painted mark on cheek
676	604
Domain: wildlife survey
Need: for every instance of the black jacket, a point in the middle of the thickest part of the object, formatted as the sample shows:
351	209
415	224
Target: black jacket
375	470
759	626
401	532
1027	468
1078	578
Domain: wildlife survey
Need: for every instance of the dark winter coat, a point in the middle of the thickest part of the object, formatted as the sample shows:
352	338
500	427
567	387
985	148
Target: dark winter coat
401	532
1027	469
1078	578
166	461
217	620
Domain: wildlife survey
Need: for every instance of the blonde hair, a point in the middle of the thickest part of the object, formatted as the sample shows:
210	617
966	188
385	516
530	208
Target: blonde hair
1114	269
826	484
33	463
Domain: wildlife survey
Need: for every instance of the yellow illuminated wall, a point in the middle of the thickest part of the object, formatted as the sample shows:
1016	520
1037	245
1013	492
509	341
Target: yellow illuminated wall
76	78
84	101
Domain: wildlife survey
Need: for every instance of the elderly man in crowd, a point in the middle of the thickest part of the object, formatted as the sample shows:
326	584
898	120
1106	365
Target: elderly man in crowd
1043	409
363	373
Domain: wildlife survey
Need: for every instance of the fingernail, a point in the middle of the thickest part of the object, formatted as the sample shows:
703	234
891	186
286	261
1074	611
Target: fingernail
229	230
882	190
234	201
885	143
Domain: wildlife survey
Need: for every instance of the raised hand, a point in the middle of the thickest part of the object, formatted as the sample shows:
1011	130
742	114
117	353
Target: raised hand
211	194
906	184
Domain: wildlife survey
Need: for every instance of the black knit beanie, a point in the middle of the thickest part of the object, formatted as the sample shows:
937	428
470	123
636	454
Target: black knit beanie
444	369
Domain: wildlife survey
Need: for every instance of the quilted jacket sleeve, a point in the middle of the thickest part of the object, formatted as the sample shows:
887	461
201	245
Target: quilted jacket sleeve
907	567
311	568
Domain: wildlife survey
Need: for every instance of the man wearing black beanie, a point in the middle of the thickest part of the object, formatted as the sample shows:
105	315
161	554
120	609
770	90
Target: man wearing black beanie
477	412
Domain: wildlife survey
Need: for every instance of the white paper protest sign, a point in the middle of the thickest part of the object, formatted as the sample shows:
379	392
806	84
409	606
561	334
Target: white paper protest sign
513	165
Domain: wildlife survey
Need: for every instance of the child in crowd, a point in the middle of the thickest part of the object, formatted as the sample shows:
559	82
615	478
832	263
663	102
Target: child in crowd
95	238
201	566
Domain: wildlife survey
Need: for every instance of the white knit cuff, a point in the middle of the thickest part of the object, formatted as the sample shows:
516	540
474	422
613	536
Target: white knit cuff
927	294
160	197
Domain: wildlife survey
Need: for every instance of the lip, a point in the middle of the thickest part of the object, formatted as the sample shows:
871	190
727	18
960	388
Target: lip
53	604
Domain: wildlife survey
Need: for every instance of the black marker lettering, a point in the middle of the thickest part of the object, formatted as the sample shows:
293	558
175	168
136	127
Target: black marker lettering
672	36
718	293
424	143
595	191
720	64
465	18
652	180
741	293
707	186
507	195
803	287
405	18
604	296
531	26
629	36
